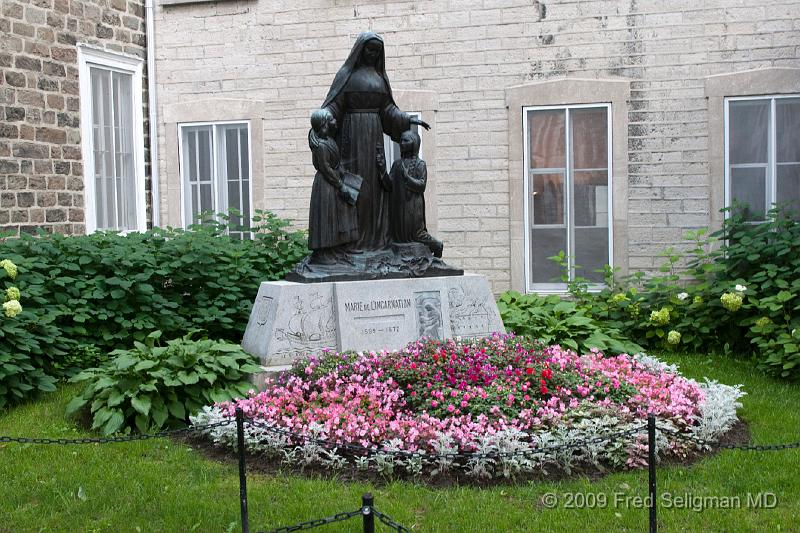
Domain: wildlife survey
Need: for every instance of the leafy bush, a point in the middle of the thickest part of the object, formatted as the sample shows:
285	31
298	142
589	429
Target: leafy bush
79	357
154	386
735	291
106	289
555	321
28	340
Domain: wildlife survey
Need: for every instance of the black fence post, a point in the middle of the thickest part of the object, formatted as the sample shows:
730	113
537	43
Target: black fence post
242	475
367	502
651	463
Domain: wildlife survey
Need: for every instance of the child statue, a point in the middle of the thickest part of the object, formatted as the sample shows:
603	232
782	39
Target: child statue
332	219
408	178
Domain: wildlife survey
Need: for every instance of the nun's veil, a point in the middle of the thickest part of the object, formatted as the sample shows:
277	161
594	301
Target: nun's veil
351	63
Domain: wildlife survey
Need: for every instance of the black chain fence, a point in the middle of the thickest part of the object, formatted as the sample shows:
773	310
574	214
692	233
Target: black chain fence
688	437
119	438
339	517
367	511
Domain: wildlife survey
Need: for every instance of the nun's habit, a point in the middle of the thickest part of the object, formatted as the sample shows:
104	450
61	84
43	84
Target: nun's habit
361	101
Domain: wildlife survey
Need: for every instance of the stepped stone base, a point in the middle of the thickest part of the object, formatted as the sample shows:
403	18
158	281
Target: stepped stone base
291	320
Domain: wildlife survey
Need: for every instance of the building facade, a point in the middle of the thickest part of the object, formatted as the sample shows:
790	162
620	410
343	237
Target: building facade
594	127
604	128
73	104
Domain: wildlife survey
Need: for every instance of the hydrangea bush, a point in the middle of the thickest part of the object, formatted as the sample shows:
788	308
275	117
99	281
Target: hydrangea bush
504	394
23	340
734	291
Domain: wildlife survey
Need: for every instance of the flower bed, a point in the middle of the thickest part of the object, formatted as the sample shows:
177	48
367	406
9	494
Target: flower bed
497	406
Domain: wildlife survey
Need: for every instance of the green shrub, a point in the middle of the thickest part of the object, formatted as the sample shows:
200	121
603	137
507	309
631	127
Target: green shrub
153	386
556	321
28	340
79	357
766	259
735	291
107	289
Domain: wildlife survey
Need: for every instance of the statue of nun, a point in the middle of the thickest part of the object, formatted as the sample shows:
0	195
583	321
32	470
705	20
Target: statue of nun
360	99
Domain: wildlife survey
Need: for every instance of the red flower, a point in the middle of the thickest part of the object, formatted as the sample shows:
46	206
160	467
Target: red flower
543	389
547	373
529	371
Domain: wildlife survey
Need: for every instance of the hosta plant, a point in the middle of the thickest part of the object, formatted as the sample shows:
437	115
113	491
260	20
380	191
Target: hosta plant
555	321
153	386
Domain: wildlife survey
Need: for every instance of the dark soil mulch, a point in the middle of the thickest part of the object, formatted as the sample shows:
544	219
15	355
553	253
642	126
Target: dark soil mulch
738	435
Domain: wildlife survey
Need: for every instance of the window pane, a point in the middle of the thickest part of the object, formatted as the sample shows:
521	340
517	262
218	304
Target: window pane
748	187
548	198
788	186
103	145
197	171
188	168
244	154
113	144
194	204
591	198
547	137
589	138
232	155
98	146
234	201
206	195
748	131
546	242
246	203
591	252
787	130
216	171
204	154
123	128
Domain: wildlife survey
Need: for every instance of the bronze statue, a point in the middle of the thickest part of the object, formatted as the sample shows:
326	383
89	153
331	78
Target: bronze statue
390	239
332	221
408	178
361	100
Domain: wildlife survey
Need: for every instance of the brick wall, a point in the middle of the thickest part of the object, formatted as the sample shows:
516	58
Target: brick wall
285	53
41	171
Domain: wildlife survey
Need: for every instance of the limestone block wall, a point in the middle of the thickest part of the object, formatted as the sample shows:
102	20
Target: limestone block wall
41	168
282	56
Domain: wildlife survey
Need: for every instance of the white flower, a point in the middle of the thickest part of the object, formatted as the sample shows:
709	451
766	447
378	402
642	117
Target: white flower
740	288
12	308
682	296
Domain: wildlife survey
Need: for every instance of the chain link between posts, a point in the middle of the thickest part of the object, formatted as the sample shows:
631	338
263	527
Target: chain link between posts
118	438
310	524
745	447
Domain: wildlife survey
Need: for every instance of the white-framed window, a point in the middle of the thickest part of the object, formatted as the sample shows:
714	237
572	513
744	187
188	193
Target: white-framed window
392	149
762	152
112	140
215	172
567	162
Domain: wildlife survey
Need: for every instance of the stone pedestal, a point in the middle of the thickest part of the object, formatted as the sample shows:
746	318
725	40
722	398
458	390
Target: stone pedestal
291	320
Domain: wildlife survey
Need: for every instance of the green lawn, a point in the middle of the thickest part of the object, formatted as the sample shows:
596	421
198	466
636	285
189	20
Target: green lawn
160	486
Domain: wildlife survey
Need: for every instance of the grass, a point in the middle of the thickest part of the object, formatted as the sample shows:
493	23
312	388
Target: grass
162	486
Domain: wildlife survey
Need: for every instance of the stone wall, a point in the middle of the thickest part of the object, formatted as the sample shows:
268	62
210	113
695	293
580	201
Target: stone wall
41	169
284	54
